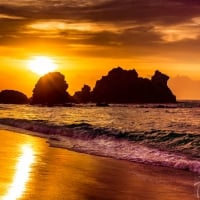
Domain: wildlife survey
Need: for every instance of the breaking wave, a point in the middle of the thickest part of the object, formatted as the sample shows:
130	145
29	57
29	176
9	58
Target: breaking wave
156	147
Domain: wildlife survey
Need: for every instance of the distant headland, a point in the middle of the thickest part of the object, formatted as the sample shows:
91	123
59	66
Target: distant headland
118	86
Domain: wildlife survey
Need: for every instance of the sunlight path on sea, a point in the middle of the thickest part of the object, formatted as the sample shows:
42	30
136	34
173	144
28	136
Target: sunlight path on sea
30	169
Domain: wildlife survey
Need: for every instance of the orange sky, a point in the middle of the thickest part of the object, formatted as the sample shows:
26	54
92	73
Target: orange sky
88	38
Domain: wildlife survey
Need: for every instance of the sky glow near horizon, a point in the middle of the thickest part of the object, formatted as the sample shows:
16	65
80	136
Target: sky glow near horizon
87	36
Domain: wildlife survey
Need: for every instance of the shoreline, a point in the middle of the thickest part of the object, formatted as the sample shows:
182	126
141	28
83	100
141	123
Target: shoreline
84	176
120	150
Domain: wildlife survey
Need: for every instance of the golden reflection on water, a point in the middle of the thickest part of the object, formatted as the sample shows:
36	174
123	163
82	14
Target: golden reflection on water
22	173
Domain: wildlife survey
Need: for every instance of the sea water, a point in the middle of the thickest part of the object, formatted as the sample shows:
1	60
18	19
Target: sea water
166	135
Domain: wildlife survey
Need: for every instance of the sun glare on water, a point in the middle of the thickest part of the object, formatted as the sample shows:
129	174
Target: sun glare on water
41	65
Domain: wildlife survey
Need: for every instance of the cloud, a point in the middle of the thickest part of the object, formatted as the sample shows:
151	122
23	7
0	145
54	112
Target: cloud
4	16
182	31
62	25
163	11
132	25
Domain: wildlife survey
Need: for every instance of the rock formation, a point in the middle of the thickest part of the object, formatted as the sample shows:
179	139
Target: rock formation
124	86
50	89
83	96
13	97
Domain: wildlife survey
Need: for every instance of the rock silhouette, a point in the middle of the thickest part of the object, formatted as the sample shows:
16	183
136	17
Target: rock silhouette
83	96
119	86
124	86
50	89
13	97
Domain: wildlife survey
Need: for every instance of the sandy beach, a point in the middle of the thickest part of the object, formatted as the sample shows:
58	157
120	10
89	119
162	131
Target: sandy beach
30	169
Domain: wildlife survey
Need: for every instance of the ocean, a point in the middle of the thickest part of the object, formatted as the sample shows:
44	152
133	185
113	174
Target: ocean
153	134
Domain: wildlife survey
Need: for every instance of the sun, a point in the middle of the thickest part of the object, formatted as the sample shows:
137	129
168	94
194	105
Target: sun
41	65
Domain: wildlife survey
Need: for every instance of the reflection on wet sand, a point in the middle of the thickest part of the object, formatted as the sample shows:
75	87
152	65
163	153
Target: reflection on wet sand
22	173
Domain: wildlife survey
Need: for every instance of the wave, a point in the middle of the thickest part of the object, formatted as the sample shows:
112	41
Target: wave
154	147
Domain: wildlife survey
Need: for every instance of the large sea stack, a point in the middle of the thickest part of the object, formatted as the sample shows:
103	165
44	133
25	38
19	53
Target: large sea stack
50	90
124	86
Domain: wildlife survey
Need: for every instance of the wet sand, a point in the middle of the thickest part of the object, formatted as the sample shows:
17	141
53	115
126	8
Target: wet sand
30	169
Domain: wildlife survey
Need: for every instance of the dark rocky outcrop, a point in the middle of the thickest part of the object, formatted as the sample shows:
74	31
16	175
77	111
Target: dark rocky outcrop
124	86
50	90
83	96
13	97
119	86
161	92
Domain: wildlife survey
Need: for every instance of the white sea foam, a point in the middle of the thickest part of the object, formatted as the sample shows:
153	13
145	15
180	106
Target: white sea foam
118	149
126	150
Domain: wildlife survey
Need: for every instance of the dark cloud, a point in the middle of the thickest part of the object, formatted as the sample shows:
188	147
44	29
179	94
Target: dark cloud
165	11
156	25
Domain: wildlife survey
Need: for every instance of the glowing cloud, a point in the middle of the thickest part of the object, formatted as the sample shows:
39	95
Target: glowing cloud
179	32
4	16
62	25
